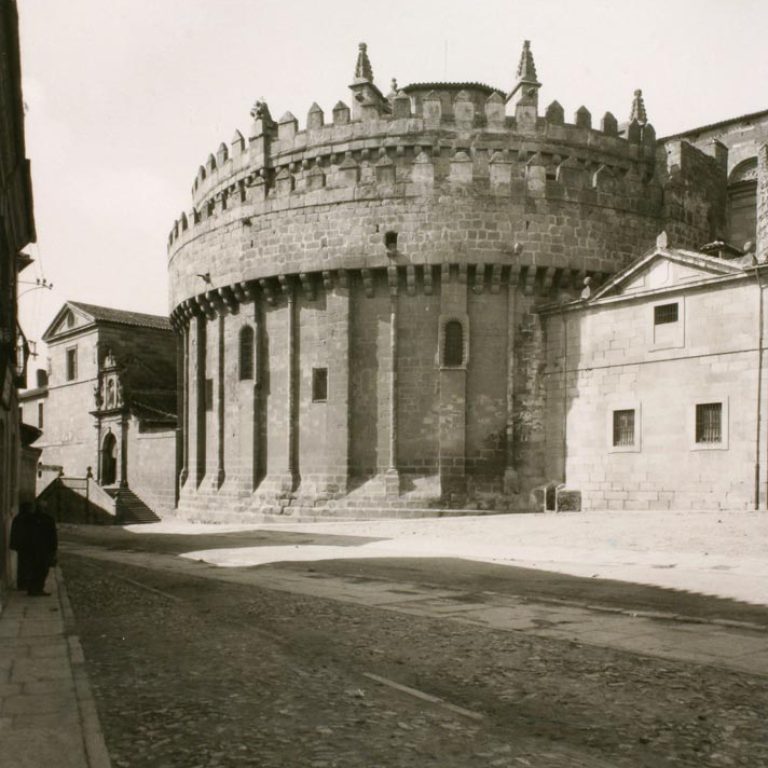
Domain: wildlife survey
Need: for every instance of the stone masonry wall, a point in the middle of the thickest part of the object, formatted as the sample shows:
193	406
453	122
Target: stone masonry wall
612	364
69	437
151	471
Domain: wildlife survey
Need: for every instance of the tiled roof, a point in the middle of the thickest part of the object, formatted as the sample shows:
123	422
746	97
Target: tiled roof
123	316
720	124
451	87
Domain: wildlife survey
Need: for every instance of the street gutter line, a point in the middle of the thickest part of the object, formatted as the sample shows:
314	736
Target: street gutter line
145	587
424	696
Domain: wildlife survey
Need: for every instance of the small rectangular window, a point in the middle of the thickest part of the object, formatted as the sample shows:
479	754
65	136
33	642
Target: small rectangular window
72	364
209	394
40	415
665	313
624	428
319	385
709	422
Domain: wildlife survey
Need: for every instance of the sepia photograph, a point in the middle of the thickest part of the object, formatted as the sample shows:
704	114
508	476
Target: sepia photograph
384	384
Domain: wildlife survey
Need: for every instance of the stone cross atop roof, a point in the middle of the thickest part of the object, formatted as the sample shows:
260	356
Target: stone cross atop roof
363	68
638	109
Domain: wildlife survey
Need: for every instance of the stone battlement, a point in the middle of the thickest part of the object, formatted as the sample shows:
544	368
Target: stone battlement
444	169
420	136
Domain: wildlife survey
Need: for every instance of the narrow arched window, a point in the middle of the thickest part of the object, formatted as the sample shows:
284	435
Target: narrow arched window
453	346
246	352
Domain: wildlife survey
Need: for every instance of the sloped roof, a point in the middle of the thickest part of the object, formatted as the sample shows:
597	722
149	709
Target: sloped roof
123	316
94	313
720	124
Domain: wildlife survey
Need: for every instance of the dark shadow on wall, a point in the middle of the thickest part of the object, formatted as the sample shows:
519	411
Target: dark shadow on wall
67	502
366	314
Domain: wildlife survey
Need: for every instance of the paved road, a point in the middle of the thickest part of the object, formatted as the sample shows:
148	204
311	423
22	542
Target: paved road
405	664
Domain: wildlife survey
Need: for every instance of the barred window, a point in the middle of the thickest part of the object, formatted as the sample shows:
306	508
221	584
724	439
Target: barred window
453	346
709	422
319	385
246	353
624	428
665	313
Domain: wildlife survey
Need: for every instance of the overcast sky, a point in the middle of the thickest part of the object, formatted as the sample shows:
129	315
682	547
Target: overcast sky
126	98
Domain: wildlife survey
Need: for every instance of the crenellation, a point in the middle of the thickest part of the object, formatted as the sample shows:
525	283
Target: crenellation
237	144
463	111
432	110
341	114
287	127
401	107
358	136
554	114
583	118
609	125
495	112
315	117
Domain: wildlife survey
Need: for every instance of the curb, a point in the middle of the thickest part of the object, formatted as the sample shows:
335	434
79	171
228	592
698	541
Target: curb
96	751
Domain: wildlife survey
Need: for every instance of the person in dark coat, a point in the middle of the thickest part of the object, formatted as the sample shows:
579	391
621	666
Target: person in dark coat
19	543
43	543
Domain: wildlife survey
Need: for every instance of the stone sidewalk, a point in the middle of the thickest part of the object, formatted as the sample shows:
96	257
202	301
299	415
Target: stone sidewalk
48	717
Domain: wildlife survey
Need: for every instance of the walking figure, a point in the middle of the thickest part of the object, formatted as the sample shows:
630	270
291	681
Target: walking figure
37	545
19	535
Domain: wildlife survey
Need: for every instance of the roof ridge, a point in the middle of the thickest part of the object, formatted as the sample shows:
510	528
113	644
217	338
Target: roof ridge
83	305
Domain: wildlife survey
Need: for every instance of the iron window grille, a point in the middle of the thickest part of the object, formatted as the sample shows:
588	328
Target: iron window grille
709	422
623	428
665	313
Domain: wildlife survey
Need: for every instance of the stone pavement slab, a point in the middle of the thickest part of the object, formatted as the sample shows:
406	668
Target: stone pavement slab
47	715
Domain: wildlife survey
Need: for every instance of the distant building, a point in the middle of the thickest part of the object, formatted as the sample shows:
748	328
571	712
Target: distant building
108	405
358	297
17	229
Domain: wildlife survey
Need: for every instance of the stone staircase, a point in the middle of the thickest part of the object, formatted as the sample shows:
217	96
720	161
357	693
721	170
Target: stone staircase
130	508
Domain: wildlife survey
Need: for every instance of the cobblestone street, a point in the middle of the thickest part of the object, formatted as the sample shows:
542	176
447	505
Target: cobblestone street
194	672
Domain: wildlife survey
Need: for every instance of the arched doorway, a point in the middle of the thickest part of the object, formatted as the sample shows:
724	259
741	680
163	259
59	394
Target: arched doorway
109	460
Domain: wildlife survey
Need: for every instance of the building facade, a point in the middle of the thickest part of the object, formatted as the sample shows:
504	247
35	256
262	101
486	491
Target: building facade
17	230
357	301
656	386
107	406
